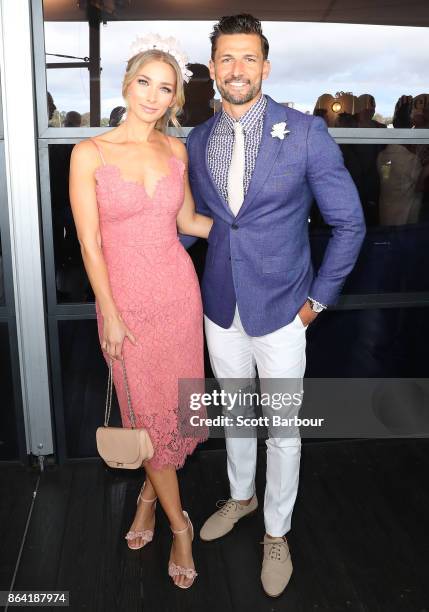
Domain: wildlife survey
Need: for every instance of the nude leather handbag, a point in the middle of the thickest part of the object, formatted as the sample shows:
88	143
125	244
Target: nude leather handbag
122	447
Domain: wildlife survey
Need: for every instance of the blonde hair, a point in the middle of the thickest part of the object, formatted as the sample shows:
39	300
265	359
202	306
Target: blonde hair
134	66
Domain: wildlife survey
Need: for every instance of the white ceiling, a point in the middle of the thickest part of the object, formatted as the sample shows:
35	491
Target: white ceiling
378	12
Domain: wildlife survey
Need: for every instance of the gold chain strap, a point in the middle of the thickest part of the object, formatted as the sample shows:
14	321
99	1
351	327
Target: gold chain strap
109	395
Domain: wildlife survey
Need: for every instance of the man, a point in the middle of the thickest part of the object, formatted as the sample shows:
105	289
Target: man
199	94
73	119
255	168
366	112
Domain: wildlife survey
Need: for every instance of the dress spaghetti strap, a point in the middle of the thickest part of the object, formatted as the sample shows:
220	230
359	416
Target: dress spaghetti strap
169	144
99	150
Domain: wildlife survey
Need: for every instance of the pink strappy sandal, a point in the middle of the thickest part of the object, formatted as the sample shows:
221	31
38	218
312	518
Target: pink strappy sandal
147	534
178	570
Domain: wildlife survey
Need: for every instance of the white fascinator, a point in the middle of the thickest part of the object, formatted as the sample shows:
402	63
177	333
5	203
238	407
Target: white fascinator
169	45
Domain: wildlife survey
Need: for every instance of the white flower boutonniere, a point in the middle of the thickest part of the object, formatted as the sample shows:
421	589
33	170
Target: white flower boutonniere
279	130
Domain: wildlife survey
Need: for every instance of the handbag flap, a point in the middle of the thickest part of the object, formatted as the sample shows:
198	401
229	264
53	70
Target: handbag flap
120	445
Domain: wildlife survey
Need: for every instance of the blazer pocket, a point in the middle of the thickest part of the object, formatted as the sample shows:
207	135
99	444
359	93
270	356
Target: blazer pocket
290	177
274	264
289	168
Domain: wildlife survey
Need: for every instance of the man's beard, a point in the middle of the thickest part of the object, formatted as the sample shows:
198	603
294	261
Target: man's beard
239	99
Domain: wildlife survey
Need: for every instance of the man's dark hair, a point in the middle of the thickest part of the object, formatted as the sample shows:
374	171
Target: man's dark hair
239	24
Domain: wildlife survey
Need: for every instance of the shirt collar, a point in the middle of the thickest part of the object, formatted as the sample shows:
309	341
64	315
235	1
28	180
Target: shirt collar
250	118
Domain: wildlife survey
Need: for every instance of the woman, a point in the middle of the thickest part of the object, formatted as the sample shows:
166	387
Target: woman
129	193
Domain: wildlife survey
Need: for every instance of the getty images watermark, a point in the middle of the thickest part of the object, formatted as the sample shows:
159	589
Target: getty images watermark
235	402
332	407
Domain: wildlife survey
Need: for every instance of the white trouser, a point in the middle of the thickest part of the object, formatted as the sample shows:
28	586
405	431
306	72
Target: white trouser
280	355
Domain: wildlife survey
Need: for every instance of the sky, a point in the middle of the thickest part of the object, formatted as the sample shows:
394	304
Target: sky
307	59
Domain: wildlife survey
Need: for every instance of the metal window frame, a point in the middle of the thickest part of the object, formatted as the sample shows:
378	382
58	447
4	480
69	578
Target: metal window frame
25	272
57	312
341	135
1	114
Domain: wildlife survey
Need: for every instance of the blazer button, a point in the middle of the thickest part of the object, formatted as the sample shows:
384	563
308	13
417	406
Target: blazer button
234	226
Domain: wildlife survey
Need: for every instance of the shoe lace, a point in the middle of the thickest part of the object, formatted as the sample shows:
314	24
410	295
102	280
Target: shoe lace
276	548
226	506
275	552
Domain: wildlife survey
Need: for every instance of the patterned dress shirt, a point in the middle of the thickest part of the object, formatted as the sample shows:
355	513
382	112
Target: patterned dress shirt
222	141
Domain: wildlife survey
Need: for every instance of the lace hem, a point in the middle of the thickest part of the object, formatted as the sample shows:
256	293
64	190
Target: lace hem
161	459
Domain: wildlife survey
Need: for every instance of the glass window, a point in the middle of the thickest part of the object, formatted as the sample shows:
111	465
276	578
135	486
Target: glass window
70	277
8	435
392	259
377	82
63	109
403	174
393	186
66	45
84	378
373	343
392	181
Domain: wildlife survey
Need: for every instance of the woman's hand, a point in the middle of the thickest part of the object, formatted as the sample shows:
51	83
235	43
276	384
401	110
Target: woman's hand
114	333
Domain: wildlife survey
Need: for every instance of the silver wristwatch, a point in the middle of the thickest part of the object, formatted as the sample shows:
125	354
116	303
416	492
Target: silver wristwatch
316	306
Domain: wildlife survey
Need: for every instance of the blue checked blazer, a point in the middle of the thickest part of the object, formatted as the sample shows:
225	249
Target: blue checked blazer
260	260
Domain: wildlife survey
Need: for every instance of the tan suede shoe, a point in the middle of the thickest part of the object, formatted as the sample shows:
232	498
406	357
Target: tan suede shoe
276	566
221	522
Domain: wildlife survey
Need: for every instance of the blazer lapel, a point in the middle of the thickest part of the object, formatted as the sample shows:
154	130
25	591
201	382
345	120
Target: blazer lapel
269	149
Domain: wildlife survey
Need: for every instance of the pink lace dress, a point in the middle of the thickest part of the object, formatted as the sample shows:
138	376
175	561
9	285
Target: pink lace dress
156	290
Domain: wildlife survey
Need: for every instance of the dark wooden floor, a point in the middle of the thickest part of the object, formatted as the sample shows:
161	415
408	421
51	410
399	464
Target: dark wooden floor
359	539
